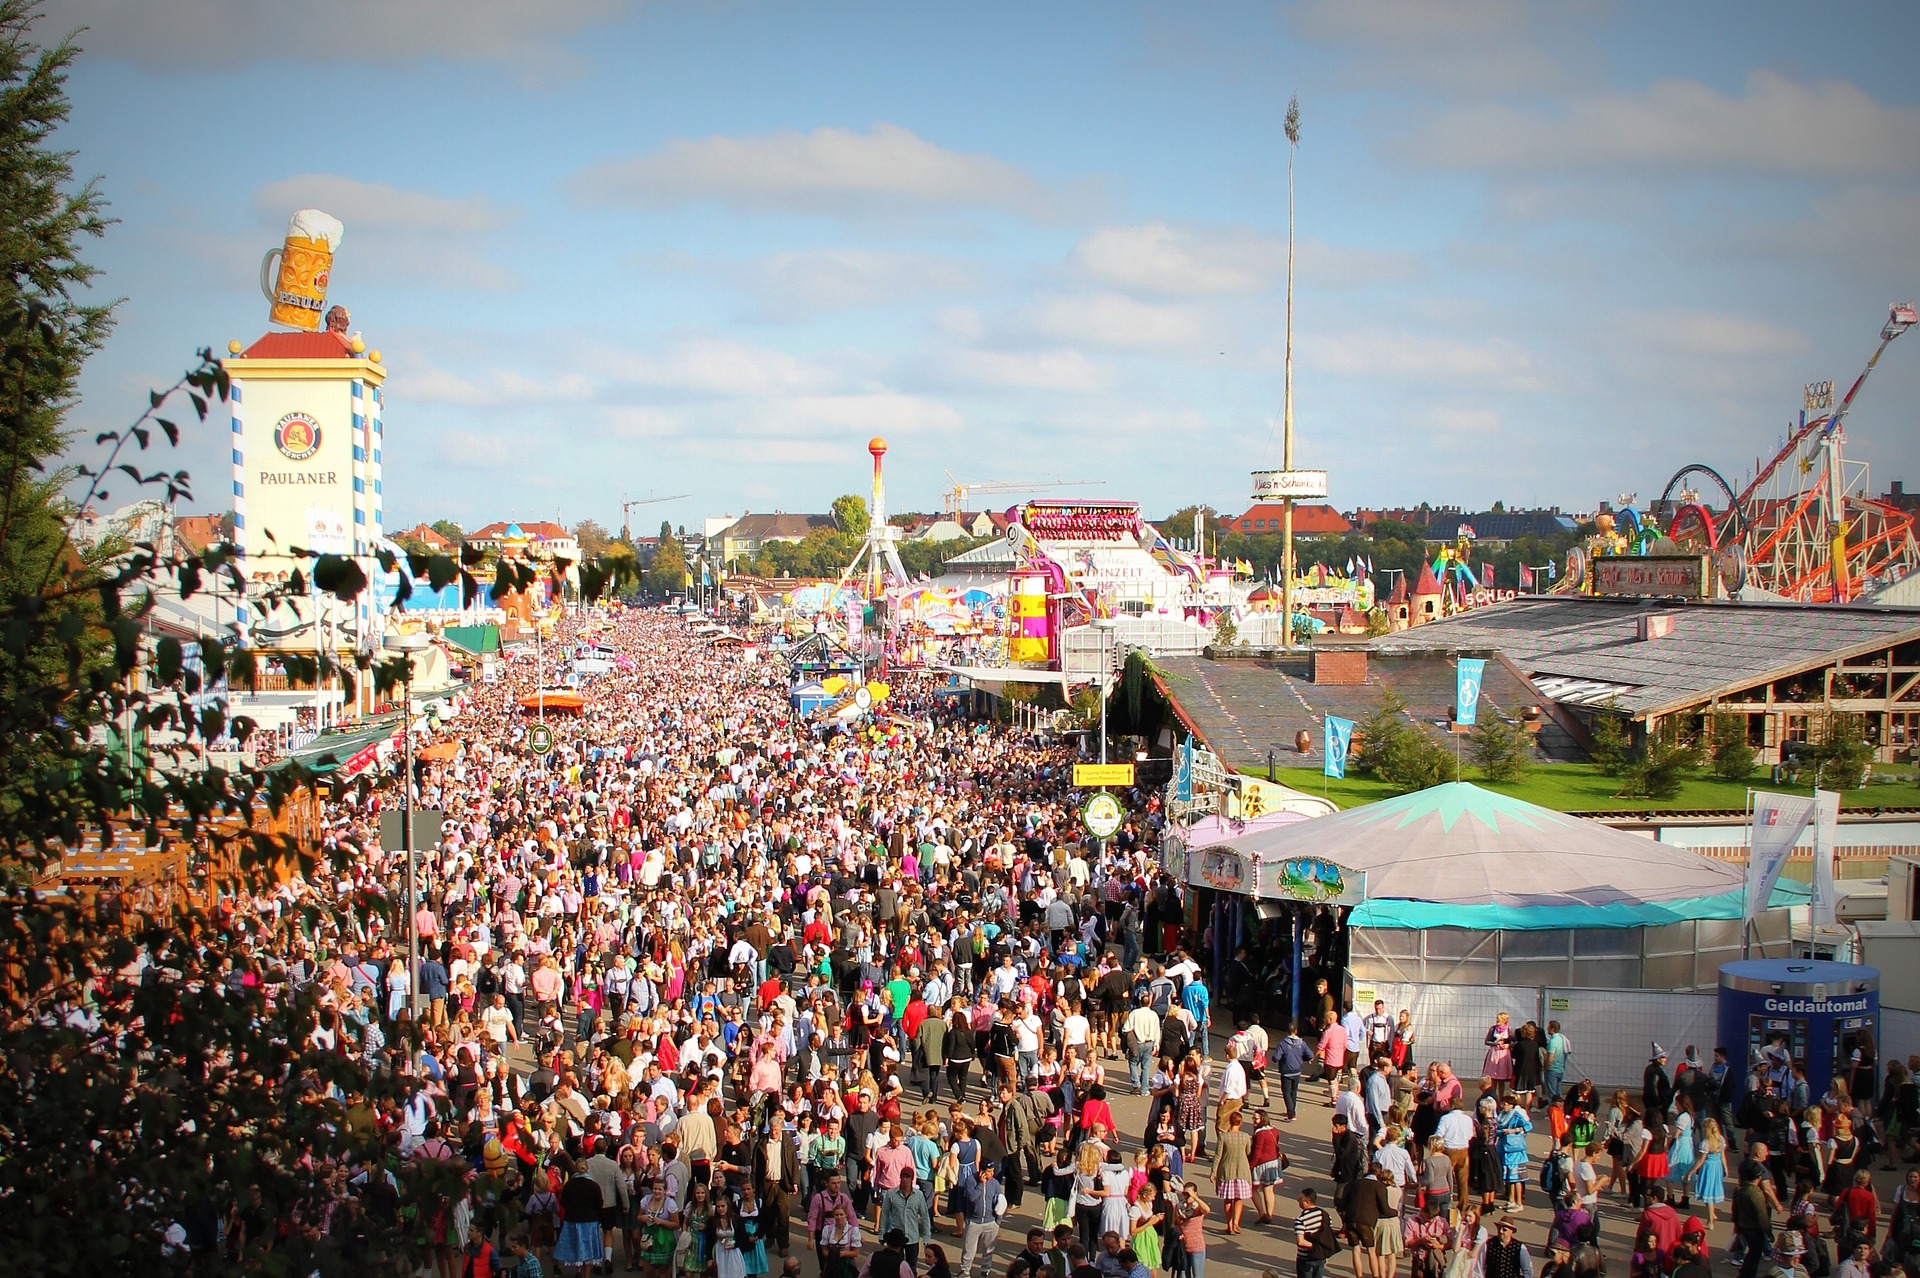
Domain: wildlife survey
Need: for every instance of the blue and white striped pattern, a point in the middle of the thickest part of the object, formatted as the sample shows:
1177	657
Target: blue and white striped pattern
359	467
239	468
373	469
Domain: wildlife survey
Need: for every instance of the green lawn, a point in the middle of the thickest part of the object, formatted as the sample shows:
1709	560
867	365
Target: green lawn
1581	787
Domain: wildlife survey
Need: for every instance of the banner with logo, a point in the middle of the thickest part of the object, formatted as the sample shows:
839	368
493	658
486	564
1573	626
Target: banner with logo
1466	689
1339	735
1778	822
1826	826
1183	773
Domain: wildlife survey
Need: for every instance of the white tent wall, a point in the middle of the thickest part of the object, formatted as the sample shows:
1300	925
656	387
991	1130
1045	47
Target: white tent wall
1613	1031
1610	1029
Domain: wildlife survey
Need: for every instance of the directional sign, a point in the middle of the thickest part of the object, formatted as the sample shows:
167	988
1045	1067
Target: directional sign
539	738
1088	775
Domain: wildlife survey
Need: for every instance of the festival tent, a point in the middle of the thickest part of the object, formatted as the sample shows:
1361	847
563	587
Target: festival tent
1458	856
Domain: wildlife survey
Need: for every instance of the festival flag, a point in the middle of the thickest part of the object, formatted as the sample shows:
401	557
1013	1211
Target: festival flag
1183	773
1339	735
1778	822
1466	689
1526	577
1349	565
1553	573
1826	825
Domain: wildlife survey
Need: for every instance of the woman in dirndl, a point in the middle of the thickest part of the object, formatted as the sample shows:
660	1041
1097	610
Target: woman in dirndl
659	1226
580	1244
1498	1066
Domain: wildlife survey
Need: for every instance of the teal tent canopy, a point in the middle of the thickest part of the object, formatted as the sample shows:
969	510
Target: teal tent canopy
1460	856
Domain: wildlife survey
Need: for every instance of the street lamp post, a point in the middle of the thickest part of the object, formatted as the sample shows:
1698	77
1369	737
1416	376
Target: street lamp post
1105	626
409	645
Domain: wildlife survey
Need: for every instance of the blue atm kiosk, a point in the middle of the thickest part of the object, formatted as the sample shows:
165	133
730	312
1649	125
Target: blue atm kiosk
1803	1010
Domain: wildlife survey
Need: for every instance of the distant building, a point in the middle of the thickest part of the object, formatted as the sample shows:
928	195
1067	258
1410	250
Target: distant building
1315	520
964	526
537	538
1898	497
741	540
1417	516
195	533
1492	528
426	536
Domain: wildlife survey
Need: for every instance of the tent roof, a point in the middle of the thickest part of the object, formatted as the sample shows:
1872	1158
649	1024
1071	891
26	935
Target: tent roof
1459	856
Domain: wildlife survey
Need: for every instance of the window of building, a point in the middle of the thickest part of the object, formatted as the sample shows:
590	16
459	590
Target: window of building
1903	728
1796	728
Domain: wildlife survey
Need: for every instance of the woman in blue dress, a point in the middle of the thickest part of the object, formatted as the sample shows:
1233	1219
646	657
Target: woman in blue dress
1512	1126
1680	1152
1710	1170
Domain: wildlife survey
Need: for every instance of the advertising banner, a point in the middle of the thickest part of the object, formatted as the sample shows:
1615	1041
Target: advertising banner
1466	689
1339	735
1826	825
1778	822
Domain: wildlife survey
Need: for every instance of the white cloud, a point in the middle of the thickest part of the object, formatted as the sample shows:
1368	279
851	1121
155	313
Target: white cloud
1716	334
1467	46
1462	419
377	206
201	34
1776	127
1494	365
1116	320
833	171
1865	231
496	388
1175	261
793	285
716	369
1055	370
1157	258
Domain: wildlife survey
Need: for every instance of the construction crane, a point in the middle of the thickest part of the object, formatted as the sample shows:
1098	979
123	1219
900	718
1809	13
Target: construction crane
626	512
957	492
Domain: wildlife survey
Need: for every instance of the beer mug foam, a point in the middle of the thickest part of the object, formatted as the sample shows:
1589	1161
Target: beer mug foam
298	292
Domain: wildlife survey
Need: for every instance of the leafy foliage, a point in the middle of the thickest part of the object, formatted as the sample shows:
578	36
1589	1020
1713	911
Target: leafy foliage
1608	734
1670	758
850	515
1501	748
1729	755
1839	756
1392	748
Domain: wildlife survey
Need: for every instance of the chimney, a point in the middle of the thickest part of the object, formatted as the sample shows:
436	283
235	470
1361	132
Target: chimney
1656	625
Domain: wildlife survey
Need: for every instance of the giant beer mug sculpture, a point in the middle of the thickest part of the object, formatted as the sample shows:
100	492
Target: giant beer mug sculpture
298	291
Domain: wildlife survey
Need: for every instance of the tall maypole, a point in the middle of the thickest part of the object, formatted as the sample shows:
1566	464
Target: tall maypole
1286	427
1288	485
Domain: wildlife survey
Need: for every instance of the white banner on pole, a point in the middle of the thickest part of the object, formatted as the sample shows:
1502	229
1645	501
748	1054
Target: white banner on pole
1826	828
1778	822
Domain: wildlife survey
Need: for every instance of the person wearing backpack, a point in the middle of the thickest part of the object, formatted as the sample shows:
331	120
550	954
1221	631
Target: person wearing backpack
1314	1235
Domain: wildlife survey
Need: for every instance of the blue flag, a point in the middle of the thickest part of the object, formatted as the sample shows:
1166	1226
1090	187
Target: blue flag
1466	689
1339	737
1183	773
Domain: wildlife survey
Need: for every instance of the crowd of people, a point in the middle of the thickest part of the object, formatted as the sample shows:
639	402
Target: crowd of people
711	989
708	987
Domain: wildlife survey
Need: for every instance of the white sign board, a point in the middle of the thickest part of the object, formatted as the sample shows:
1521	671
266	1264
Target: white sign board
1279	485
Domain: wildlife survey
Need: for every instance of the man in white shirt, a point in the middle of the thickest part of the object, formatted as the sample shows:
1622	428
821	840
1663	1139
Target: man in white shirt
1455	1131
1233	1088
498	1022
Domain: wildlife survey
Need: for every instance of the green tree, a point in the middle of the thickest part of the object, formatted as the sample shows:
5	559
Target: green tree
850	515
1729	755
46	334
1608	736
448	529
1375	735
1226	634
1669	759
1501	748
1843	755
667	574
593	539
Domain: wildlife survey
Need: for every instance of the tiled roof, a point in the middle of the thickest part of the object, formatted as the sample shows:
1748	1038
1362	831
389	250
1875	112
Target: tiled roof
778	524
1502	526
1713	649
1314	520
300	346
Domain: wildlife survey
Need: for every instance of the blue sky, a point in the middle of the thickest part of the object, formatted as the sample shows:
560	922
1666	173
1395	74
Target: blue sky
1547	253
